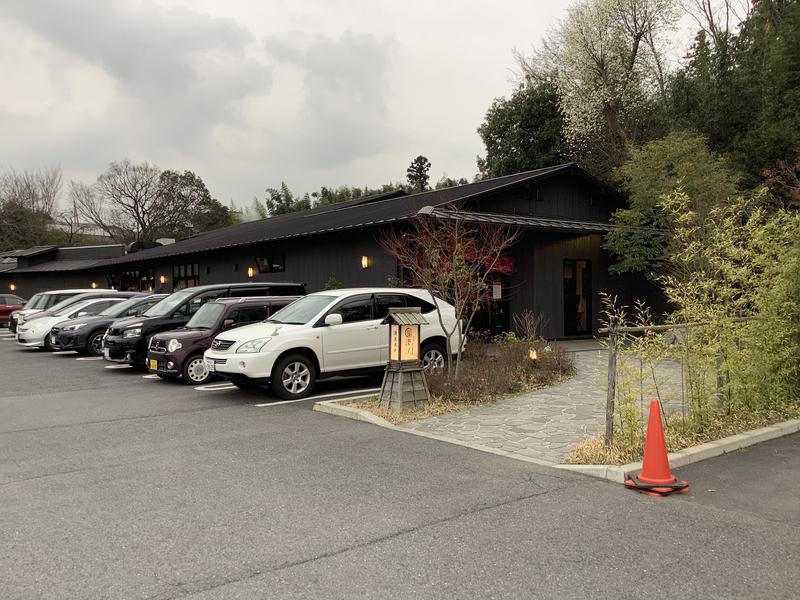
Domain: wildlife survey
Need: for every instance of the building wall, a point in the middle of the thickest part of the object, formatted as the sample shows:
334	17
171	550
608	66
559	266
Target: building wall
563	198
28	284
313	261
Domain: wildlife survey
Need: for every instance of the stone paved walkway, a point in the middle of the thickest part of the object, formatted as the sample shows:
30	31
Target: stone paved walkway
544	424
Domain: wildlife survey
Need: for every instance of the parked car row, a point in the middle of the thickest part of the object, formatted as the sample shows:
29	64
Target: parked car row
254	335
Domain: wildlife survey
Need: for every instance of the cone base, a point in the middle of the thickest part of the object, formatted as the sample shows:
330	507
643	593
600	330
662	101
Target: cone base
657	489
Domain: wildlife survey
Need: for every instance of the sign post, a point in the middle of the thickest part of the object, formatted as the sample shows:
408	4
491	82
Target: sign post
404	382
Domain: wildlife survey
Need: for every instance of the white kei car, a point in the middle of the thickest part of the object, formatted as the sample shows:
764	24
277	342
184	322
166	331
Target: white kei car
35	333
335	332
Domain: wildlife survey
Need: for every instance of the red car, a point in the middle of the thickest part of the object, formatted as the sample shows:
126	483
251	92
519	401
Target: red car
8	304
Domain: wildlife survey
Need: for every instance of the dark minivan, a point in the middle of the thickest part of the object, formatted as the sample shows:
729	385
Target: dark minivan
180	352
126	339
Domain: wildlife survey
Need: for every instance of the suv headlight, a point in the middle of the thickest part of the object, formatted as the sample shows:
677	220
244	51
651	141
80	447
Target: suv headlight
253	346
173	345
132	332
74	327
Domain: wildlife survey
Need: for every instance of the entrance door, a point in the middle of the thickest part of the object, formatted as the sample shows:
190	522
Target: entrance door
577	297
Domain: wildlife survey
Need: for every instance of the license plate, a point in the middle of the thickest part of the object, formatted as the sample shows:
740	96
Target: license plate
210	365
106	353
153	364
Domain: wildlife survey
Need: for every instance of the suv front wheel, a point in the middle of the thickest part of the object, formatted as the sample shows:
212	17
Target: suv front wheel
293	377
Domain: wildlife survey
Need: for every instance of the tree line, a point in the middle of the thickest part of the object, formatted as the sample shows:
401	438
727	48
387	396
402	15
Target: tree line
127	202
599	90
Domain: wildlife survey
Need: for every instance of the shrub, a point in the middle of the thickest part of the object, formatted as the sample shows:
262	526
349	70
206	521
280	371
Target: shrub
499	367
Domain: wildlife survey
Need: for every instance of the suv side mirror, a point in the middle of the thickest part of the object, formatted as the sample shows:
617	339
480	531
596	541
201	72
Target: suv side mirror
333	319
227	323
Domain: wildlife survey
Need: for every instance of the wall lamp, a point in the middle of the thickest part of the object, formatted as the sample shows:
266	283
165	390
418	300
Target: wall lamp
94	285
13	287
162	279
251	272
365	262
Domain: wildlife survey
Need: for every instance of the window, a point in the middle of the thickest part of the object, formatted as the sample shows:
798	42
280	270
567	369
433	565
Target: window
248	314
98	307
423	305
14	300
132	281
272	263
383	302
356	310
236	292
185	276
4	300
195	303
286	290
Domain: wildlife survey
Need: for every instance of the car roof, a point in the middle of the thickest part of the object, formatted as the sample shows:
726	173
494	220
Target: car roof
216	286
368	290
253	299
75	291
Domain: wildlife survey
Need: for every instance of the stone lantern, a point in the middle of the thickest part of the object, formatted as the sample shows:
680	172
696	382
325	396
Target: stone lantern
404	383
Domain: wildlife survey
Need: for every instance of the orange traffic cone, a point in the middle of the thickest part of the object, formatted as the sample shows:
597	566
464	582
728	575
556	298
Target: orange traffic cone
655	478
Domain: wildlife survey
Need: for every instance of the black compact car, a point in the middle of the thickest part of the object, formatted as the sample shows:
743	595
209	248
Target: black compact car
179	352
127	339
85	334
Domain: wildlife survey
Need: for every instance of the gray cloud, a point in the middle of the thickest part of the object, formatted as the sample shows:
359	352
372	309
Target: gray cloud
180	72
345	84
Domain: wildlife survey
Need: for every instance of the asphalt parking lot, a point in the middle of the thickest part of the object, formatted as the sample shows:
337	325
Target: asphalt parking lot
113	485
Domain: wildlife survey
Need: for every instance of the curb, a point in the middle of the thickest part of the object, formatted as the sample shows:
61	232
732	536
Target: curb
334	407
687	456
615	473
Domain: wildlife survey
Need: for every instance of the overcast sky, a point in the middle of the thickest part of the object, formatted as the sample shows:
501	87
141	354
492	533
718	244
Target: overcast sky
246	93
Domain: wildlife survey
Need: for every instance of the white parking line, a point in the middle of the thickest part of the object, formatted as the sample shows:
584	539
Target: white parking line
90	358
152	376
118	366
211	387
321	397
65	352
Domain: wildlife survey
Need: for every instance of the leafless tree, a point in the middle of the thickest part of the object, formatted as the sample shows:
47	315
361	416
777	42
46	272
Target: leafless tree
69	219
717	17
453	259
35	190
27	205
128	197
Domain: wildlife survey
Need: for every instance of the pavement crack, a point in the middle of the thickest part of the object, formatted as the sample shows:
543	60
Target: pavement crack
365	544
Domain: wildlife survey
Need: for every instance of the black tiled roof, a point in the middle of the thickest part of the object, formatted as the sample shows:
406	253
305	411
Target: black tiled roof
521	221
363	212
58	265
29	252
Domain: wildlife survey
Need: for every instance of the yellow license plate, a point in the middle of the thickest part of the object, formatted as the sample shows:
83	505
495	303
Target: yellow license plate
153	364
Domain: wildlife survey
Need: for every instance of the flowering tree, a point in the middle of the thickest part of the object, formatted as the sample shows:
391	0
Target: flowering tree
454	259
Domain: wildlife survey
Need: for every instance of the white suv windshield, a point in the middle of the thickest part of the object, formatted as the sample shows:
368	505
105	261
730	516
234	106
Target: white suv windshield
301	311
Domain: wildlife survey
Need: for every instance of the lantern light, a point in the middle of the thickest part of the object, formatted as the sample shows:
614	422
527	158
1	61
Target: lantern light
162	279
13	287
94	285
365	262
251	272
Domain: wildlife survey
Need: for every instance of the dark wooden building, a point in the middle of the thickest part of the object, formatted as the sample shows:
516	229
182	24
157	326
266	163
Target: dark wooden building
558	266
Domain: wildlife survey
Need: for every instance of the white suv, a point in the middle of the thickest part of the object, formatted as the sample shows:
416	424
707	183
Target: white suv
327	333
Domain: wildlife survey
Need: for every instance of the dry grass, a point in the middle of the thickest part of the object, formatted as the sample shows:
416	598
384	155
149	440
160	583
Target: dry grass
679	434
488	372
437	406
